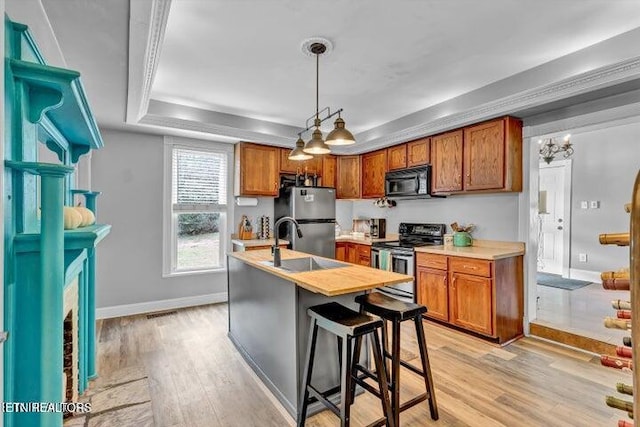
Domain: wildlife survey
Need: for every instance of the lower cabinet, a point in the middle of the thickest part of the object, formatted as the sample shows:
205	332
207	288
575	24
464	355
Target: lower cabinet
481	296
353	253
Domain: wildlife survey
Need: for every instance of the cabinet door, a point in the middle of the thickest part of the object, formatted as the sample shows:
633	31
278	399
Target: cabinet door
364	255
352	253
484	156
311	166
397	157
446	162
432	292
418	152
341	251
374	166
470	304
329	172
348	180
258	169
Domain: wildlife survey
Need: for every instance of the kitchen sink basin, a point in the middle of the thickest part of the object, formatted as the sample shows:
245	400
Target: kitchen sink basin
298	265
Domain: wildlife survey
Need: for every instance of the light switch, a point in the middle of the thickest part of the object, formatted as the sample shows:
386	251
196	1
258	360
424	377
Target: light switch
594	204
584	204
582	257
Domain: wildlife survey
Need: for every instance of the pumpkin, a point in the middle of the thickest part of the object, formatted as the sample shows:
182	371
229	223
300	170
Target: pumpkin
72	218
88	217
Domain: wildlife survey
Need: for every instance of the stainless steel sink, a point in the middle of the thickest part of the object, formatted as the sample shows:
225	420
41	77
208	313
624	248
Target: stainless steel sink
298	265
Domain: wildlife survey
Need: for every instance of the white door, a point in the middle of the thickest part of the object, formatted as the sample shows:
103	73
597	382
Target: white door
552	223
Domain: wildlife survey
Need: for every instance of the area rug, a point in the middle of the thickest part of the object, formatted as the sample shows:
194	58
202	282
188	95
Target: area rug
557	281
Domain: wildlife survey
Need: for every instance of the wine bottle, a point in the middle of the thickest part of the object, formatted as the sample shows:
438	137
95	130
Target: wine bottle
620	239
622	274
623	405
624	388
623	314
616	362
624	423
619	304
613	323
624	351
616	284
626	341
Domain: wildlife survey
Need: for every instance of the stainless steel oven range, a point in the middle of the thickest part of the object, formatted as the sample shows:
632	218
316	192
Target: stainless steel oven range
400	255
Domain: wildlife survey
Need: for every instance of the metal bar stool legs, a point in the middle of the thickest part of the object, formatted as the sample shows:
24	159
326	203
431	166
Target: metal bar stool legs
350	327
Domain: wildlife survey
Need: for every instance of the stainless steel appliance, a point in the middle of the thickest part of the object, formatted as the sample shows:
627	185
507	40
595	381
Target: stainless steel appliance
377	228
402	255
408	183
314	208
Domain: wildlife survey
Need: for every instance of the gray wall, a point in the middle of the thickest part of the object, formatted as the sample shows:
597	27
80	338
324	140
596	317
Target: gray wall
495	216
129	172
605	164
265	207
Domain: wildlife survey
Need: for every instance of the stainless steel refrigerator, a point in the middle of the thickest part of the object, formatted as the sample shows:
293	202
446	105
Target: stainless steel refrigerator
315	210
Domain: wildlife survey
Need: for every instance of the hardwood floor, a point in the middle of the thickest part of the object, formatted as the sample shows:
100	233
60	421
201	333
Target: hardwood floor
197	378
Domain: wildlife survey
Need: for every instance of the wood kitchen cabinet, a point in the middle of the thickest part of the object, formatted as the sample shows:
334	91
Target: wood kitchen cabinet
482	296
257	170
329	170
486	157
418	152
348	178
311	166
341	251
397	157
374	167
353	253
446	162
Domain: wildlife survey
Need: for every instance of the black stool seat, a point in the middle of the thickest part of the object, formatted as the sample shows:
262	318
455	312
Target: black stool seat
389	308
348	326
341	320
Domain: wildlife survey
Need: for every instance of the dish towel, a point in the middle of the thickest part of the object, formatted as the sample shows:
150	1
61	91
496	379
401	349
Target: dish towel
384	260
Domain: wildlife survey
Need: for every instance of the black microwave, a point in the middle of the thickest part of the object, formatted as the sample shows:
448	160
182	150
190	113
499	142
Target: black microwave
408	183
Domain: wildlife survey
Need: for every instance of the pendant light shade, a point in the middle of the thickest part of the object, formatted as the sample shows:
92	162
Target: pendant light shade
298	152
316	145
340	135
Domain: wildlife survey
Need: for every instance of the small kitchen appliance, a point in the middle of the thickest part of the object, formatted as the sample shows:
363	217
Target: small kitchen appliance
377	228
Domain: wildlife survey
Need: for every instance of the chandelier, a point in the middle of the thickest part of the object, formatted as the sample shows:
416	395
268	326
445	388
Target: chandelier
550	147
339	135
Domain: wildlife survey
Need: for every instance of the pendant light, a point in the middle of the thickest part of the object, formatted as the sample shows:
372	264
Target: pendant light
340	135
316	145
298	153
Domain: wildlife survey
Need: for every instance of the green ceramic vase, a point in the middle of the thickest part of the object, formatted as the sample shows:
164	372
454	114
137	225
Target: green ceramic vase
462	238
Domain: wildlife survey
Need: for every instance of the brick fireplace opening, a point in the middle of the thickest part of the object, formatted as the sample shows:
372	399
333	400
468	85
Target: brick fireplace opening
70	374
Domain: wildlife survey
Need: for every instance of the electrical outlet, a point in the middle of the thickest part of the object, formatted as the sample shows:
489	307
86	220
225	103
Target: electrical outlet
594	204
582	257
584	204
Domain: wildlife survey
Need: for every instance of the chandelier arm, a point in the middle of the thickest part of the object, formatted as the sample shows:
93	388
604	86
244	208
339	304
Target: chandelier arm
329	115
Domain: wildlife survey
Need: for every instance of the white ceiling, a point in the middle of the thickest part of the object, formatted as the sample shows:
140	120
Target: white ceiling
390	59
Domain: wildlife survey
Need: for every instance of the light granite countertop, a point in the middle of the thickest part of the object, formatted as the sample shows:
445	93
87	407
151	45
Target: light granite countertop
366	240
481	249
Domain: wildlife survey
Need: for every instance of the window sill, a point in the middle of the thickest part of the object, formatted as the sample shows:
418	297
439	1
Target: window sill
193	272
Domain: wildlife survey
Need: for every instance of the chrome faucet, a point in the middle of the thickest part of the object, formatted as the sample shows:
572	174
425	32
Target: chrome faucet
275	249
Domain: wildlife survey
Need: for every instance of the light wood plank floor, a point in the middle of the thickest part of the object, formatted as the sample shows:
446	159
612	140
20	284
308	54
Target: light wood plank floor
197	378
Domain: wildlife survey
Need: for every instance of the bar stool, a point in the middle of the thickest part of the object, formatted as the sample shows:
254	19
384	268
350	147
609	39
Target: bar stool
397	311
346	324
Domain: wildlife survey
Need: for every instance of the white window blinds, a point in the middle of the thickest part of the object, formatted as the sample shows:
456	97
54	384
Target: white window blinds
199	180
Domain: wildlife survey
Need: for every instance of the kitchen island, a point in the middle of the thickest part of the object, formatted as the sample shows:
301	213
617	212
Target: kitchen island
268	320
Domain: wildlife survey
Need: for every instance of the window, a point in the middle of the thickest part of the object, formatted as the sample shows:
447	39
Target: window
195	215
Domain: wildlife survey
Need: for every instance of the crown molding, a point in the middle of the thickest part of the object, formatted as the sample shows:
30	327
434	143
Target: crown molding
148	21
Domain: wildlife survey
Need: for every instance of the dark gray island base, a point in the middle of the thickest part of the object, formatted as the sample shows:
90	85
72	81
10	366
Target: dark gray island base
269	325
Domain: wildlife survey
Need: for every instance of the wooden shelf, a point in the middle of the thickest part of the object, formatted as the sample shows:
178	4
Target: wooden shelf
79	238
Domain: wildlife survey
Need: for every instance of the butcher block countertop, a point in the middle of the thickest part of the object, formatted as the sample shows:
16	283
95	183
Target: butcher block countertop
258	242
365	240
330	282
481	249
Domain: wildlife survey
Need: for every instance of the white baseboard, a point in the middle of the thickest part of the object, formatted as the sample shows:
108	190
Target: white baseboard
586	275
152	306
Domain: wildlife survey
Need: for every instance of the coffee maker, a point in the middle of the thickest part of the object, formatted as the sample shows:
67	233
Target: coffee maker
378	228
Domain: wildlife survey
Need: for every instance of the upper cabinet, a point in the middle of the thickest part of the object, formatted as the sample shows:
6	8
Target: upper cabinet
311	166
374	167
397	156
418	152
486	157
329	170
257	170
446	162
348	179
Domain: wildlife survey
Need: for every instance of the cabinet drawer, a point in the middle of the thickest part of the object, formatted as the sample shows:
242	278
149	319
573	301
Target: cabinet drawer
476	267
439	262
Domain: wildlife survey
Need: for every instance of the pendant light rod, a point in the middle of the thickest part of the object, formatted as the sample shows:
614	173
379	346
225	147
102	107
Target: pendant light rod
317	86
329	115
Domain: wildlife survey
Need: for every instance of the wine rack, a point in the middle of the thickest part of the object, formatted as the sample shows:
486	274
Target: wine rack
625	279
